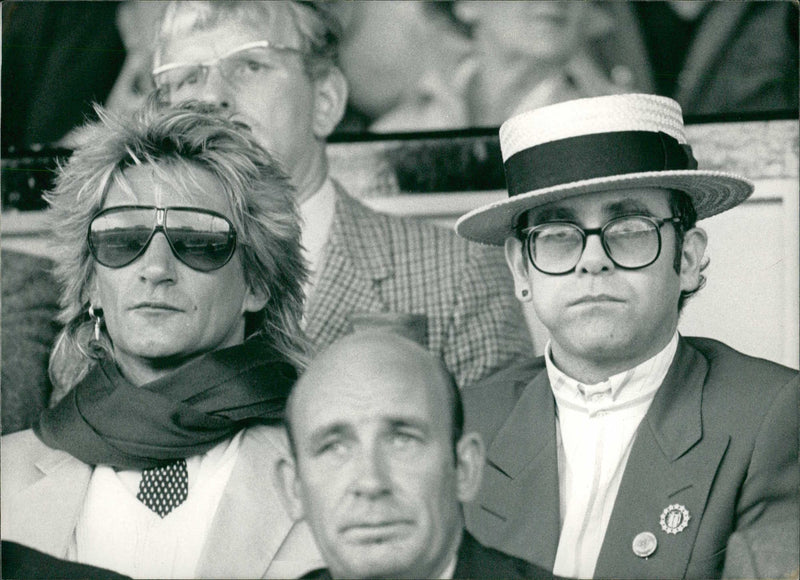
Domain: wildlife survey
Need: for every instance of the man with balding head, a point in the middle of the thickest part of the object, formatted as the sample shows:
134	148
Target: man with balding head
381	465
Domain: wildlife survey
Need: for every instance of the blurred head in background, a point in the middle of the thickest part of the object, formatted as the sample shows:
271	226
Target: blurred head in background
138	24
443	65
531	54
271	64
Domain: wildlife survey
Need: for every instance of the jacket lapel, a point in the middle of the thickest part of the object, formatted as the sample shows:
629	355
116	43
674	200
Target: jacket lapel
628	48
250	523
671	463
44	514
709	42
521	485
357	258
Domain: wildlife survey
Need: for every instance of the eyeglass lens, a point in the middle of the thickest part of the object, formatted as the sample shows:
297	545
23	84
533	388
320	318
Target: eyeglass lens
239	68
631	242
201	239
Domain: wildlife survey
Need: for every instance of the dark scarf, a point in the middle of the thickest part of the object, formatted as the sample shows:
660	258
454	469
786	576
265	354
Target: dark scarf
106	420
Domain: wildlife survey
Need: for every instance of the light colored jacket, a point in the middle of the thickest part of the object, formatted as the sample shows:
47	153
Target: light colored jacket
251	536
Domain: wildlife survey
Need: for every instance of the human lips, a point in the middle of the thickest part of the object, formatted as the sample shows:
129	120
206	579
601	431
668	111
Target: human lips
155	307
375	531
595	299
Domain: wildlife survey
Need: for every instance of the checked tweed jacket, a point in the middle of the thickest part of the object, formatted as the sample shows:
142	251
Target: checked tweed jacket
381	263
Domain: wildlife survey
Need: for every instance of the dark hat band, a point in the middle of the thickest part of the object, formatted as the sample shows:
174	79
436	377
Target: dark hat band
591	156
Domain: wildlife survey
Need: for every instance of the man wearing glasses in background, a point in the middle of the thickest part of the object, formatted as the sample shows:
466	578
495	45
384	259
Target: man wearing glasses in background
627	451
273	64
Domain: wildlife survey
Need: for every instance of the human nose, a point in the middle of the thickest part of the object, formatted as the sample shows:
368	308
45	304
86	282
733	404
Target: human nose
370	478
216	89
157	264
594	259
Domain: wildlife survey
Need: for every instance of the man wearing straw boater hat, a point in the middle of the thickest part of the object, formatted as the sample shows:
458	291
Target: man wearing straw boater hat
628	450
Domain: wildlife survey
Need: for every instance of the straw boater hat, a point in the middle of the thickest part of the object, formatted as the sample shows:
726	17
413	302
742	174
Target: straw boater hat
594	145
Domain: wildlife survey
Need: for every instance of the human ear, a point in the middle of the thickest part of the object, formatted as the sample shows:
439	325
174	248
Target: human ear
288	485
330	99
92	293
255	300
518	264
469	466
693	258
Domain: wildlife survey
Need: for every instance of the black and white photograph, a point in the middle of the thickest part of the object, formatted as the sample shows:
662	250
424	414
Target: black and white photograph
415	289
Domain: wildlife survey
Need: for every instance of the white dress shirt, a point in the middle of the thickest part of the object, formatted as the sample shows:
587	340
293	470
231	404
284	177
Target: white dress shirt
596	428
117	531
316	215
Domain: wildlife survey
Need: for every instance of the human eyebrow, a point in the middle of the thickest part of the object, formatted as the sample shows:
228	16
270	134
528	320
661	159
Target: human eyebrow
405	424
626	207
551	214
255	54
324	435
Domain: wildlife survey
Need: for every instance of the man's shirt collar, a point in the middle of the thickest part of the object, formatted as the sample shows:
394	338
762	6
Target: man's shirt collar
619	391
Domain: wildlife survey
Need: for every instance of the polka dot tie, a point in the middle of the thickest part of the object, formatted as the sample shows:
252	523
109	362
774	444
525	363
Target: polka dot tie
164	488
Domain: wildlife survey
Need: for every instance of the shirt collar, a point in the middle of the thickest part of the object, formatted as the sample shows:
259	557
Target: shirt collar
616	392
316	214
318	208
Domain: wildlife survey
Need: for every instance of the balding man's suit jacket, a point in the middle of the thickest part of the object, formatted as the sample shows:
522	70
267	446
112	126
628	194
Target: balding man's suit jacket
381	263
720	439
251	536
474	560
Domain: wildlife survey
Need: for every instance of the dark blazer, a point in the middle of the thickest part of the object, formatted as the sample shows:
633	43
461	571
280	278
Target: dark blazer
743	57
381	263
762	552
720	439
29	309
475	560
23	562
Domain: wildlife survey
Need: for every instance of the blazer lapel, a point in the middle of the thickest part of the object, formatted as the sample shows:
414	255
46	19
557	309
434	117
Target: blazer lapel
708	44
521	485
671	464
250	523
628	48
357	258
44	515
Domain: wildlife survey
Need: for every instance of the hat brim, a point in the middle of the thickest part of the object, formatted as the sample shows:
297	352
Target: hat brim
711	192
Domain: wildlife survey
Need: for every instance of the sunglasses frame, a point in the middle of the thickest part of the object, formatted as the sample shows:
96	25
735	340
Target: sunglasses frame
159	225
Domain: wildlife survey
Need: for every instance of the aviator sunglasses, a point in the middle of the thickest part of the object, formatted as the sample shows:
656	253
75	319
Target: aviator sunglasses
202	239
